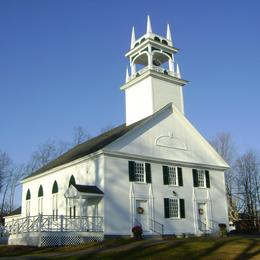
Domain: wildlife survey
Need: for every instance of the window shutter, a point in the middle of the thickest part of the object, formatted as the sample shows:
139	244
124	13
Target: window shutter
195	177
166	208
182	208
207	179
148	173
180	180
165	175
131	169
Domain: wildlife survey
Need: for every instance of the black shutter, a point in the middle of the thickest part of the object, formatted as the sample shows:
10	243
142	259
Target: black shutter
207	179
166	208
182	208
180	180
195	177
148	173
165	175
131	169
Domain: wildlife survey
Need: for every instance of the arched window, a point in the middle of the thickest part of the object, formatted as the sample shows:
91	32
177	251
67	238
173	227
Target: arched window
72	181
40	200
55	188
72	207
28	195
164	42
157	39
55	191
28	202
40	191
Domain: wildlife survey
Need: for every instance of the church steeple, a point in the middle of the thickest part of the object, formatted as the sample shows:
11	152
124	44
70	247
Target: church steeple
149	25
155	78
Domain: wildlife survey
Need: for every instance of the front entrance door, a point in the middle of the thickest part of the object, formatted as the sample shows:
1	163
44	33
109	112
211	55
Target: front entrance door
202	217
142	214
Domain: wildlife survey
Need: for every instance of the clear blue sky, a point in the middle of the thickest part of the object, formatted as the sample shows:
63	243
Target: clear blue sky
62	63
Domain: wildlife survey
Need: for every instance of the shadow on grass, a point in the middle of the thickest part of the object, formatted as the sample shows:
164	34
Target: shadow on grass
246	254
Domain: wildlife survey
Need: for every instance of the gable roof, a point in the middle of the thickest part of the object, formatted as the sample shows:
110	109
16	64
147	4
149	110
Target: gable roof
17	211
182	144
88	147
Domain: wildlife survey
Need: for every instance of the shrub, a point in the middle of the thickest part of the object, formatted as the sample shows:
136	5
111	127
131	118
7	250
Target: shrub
222	229
137	231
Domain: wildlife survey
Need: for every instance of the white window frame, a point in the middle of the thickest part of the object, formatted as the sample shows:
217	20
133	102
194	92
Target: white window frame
28	208
144	172
40	205
55	206
201	171
176	176
178	208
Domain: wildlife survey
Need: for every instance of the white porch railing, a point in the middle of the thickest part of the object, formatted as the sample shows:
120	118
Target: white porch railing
51	223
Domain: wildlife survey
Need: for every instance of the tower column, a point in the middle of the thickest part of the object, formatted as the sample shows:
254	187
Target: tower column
133	69
171	65
150	60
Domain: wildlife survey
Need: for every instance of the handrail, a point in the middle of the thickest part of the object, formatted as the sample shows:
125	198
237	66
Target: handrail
156	227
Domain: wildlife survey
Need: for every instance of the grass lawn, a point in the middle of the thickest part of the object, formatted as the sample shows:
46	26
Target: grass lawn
189	248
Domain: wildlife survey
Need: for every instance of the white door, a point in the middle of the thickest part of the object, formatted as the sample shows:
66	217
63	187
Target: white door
142	214
202	217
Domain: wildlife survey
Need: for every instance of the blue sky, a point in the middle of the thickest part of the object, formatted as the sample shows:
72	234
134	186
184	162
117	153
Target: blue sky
62	63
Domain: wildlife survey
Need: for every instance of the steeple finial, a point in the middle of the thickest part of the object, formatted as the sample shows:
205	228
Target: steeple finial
169	35
133	38
126	75
178	71
149	26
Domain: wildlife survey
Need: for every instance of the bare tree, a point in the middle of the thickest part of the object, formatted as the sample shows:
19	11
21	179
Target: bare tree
45	153
80	135
106	128
5	173
224	145
248	170
5	162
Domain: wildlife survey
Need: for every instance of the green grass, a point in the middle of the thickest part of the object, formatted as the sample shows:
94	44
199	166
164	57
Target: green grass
192	248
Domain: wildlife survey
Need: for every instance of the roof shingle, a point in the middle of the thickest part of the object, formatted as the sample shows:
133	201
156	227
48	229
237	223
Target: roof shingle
88	147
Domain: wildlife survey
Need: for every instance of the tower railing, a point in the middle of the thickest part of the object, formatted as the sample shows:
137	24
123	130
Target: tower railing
154	68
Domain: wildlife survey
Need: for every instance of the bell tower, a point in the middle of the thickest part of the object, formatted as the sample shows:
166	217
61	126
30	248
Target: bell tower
154	79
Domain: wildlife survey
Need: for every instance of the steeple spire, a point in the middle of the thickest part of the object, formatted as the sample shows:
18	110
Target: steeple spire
178	71
133	38
169	35
127	75
149	26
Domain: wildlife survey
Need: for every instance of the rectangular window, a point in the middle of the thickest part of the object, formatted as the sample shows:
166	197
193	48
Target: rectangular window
172	176
139	171
74	212
55	206
201	178
28	204
40	201
173	208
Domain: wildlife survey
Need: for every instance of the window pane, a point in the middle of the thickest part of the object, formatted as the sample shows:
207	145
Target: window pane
201	178
139	172
173	208
172	176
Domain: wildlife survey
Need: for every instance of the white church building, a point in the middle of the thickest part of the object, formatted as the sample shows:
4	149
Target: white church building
156	170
